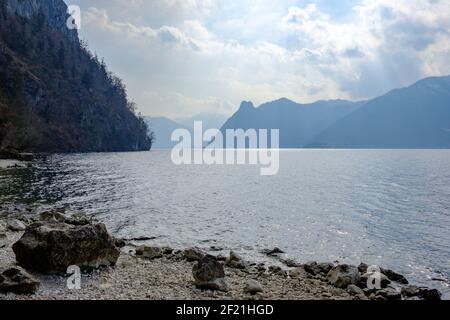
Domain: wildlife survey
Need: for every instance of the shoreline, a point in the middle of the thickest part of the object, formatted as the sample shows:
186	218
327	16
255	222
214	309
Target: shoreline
152	273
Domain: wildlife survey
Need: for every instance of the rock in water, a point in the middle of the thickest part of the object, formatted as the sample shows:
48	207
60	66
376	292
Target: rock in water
343	275
394	276
209	274
253	287
16	280
51	247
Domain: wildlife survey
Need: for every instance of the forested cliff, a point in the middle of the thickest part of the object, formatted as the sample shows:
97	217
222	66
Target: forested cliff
55	95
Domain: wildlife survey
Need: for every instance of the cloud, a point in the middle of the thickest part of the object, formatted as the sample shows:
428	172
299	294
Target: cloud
196	56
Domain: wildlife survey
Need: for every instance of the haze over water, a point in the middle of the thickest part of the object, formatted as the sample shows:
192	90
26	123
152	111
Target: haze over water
385	207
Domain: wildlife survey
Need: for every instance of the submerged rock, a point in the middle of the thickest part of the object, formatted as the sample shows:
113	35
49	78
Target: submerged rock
343	275
209	274
16	280
272	252
51	247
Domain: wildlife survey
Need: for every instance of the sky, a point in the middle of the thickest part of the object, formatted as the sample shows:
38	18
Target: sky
180	58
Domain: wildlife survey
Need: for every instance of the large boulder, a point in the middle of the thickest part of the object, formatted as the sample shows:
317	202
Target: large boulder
394	276
210	274
16	280
51	247
343	275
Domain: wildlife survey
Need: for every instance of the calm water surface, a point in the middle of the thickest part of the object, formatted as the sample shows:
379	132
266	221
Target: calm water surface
384	207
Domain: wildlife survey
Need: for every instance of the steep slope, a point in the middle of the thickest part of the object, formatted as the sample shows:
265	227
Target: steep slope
414	117
298	123
55	96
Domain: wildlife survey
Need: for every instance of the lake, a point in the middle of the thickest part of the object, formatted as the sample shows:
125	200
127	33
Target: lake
385	207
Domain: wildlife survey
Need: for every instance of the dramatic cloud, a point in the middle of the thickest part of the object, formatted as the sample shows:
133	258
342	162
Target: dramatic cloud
183	57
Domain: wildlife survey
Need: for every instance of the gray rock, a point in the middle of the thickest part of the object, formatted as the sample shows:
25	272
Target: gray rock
16	280
272	252
209	274
51	247
355	290
291	263
193	254
55	216
411	291
394	276
363	268
149	252
16	225
343	275
253	287
389	294
315	268
234	256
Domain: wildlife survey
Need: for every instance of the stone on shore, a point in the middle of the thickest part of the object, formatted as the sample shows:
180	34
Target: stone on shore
253	287
149	252
193	254
209	274
15	225
51	247
16	280
343	275
389	294
411	291
315	268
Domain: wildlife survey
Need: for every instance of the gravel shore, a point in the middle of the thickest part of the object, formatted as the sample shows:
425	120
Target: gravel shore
168	278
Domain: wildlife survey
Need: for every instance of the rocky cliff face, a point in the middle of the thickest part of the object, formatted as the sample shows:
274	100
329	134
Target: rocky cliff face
55	95
54	12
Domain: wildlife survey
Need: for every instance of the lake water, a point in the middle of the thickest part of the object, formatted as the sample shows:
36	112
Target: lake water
385	207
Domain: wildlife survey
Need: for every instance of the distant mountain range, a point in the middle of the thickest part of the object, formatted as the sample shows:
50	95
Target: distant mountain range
163	127
414	117
298	123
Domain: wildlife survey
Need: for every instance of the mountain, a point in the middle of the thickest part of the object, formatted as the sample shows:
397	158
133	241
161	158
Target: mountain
414	117
298	123
55	95
162	129
210	121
